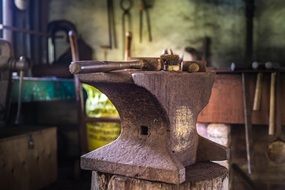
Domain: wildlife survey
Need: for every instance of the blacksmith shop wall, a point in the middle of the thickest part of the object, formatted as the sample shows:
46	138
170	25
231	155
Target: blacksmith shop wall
181	23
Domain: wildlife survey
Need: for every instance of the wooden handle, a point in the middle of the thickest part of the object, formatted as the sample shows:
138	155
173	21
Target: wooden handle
128	45
73	45
258	92
272	106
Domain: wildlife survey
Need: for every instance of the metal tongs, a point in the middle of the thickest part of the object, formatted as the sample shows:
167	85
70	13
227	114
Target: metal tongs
126	6
145	8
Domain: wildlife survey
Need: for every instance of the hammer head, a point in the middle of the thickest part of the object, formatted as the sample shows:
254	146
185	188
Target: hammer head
74	68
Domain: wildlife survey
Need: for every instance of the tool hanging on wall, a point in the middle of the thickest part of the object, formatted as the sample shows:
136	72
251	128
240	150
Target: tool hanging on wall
276	148
247	121
111	25
126	6
272	104
258	87
145	6
128	45
21	64
112	33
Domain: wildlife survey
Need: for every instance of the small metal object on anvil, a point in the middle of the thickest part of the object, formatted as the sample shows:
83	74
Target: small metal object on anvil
194	66
170	61
158	112
166	62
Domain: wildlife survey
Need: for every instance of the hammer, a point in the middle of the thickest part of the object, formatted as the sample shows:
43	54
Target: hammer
148	64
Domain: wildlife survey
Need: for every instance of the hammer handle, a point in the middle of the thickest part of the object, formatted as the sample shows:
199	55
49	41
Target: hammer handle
272	104
73	45
102	66
128	45
258	92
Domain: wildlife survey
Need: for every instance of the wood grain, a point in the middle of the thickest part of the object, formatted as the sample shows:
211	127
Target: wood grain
28	161
272	105
214	180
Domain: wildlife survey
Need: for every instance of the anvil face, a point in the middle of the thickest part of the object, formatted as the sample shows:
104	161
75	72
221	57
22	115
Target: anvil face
158	112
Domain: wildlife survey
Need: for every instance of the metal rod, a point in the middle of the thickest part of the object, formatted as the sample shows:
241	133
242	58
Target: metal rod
73	45
19	107
247	119
110	28
22	30
7	19
113	24
103	66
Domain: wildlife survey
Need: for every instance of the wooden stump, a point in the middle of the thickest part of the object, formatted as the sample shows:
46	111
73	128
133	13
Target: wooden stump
201	176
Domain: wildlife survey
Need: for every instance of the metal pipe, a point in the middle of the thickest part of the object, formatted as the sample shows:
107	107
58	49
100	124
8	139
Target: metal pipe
7	19
5	27
103	66
18	115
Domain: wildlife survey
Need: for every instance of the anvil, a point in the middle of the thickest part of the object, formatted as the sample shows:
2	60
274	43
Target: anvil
158	112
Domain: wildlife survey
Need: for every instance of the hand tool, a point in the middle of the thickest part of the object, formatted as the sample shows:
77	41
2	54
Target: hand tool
170	61
247	120
258	87
128	45
20	65
144	63
272	104
126	6
79	93
194	66
112	34
276	149
79	67
73	45
145	8
111	25
258	92
19	106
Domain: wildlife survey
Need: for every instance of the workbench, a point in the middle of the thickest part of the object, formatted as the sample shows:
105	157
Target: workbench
226	102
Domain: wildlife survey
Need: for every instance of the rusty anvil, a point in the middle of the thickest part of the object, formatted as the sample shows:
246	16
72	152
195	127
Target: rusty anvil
158	112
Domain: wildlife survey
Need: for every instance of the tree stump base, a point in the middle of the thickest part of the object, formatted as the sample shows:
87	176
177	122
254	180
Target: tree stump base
200	176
